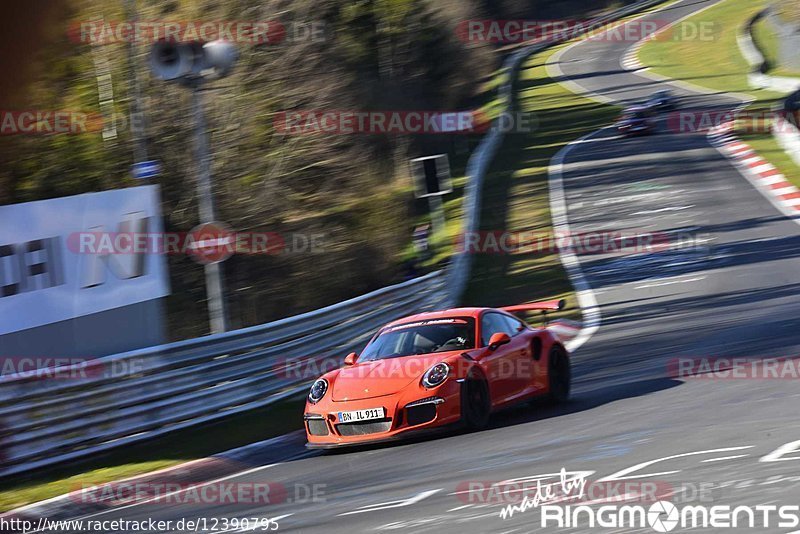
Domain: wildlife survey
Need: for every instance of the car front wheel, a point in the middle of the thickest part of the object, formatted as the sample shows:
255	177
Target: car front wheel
475	405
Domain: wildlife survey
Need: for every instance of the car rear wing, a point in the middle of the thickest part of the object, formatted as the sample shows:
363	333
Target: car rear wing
544	306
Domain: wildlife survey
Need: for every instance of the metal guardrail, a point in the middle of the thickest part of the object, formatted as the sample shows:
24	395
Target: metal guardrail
142	394
758	77
785	129
123	398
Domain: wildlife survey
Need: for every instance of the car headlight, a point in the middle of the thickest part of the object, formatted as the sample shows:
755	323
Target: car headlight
436	375
318	390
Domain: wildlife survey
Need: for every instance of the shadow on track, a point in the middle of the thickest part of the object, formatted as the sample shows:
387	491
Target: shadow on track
535	410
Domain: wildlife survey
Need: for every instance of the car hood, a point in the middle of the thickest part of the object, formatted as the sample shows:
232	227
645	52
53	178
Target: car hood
383	377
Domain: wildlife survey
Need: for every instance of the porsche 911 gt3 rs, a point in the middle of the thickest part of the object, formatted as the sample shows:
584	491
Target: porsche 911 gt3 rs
435	369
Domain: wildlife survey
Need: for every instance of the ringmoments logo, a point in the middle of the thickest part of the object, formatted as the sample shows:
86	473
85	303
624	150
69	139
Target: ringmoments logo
564	501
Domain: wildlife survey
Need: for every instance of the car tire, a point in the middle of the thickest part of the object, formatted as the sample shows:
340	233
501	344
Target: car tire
559	375
475	404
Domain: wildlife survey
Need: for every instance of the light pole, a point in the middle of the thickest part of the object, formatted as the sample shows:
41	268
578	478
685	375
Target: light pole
192	64
217	313
137	116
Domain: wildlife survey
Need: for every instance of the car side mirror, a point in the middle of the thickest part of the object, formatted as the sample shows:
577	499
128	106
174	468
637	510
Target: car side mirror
498	339
351	359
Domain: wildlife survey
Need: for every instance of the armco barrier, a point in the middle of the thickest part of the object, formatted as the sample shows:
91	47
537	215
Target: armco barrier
151	392
785	133
758	78
785	129
141	394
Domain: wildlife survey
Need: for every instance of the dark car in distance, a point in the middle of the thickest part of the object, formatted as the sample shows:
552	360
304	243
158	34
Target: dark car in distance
637	120
662	101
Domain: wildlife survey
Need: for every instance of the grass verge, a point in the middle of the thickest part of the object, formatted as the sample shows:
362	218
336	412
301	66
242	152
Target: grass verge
691	60
184	446
516	191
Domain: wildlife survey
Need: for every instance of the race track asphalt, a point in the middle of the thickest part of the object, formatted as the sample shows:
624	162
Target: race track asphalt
735	293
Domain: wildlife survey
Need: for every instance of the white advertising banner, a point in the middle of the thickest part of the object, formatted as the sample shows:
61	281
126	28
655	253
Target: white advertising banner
45	278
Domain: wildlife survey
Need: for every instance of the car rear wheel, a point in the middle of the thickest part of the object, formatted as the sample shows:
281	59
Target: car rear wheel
475	406
559	376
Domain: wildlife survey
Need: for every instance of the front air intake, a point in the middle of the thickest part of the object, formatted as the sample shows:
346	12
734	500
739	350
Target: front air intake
317	427
367	427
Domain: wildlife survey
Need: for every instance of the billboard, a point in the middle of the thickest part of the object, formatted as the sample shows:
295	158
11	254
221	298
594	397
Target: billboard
44	281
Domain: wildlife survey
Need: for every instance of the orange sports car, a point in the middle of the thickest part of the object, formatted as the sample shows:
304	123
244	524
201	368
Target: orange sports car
435	369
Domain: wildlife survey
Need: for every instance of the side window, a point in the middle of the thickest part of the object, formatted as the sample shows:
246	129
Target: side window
514	325
491	323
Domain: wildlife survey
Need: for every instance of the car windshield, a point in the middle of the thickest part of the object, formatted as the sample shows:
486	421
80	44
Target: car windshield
421	337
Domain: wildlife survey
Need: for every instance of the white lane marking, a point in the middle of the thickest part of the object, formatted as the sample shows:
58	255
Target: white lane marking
509	486
659	284
778	454
643	70
623	475
586	297
553	66
723	458
78	493
655	195
457	508
662	210
250	528
558	208
393	504
177	492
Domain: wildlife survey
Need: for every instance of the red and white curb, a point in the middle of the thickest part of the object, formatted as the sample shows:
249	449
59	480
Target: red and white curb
762	174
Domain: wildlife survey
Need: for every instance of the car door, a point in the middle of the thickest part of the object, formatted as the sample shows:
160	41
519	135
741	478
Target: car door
531	369
518	358
500	364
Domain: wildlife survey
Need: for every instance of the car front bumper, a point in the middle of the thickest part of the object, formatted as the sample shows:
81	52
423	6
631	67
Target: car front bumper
405	417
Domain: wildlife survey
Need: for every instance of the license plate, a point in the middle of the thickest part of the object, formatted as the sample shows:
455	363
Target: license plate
362	415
